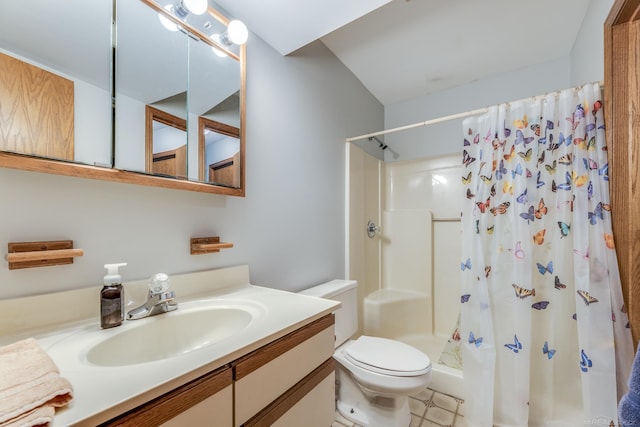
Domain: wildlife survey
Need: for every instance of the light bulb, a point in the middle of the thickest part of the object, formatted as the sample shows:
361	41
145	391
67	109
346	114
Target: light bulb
237	32
219	52
197	7
166	23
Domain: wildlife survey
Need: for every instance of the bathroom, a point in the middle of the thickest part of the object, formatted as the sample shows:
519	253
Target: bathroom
300	206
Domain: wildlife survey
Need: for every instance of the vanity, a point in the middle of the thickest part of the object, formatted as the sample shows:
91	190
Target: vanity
233	354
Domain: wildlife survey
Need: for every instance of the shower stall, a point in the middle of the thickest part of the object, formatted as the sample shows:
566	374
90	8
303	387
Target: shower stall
403	248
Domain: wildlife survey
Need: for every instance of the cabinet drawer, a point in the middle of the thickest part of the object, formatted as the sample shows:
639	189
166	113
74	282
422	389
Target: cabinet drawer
264	375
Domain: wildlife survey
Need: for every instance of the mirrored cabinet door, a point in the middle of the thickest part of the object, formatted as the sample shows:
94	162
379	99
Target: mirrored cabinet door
151	82
55	79
214	115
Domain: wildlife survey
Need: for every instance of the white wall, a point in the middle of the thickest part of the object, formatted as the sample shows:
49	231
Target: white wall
587	55
584	64
130	121
92	108
446	138
289	228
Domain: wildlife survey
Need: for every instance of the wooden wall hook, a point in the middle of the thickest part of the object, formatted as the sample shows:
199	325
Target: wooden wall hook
205	245
41	254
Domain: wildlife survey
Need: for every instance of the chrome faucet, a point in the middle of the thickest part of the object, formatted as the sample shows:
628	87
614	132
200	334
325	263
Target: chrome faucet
160	299
157	303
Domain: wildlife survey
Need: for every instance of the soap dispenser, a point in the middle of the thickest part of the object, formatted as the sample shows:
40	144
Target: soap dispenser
112	297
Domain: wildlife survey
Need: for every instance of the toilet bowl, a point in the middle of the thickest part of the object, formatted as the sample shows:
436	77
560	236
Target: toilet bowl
374	376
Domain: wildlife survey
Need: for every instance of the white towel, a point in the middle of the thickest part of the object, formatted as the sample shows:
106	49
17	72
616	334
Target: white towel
30	385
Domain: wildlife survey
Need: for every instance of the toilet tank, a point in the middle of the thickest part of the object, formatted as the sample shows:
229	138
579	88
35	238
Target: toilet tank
345	291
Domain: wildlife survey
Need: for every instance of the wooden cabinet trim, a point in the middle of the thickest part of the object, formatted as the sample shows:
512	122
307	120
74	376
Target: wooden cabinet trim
36	164
167	406
623	11
287	400
260	357
622	118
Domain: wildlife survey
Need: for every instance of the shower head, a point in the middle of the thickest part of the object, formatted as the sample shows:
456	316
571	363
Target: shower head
380	143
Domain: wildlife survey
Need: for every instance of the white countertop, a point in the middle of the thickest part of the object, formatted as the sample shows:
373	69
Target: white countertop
101	393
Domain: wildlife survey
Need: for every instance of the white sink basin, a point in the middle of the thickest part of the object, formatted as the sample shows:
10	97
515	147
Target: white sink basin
169	335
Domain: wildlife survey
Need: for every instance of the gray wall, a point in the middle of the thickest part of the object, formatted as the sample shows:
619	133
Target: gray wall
289	228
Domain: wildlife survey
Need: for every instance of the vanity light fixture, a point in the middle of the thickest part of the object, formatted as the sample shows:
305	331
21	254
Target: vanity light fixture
219	52
236	33
185	7
181	10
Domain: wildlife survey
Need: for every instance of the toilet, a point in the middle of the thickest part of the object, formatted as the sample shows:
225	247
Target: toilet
374	376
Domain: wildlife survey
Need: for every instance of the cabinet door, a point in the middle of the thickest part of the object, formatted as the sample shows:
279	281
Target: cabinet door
273	372
310	403
316	409
206	401
214	411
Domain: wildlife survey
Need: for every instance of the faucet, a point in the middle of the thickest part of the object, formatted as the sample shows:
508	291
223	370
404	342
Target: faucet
160	299
157	303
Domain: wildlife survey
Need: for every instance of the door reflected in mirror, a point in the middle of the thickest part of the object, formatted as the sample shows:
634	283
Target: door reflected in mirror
219	153
166	144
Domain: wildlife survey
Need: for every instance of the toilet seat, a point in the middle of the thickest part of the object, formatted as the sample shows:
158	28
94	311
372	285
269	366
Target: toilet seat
387	357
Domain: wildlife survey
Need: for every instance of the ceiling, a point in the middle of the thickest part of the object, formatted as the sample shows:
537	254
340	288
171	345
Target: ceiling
403	49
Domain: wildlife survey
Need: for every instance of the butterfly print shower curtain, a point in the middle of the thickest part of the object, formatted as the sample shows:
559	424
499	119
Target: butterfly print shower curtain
544	327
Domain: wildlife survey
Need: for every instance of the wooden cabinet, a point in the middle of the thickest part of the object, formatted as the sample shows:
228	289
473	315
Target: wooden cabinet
37	110
289	382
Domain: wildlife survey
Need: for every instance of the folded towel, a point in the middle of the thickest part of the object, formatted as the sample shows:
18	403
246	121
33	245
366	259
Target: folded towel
629	407
39	417
30	385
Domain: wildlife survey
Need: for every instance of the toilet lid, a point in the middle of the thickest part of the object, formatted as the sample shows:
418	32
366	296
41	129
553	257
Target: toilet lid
387	357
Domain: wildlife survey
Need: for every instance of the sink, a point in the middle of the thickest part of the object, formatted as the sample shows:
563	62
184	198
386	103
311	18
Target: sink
169	335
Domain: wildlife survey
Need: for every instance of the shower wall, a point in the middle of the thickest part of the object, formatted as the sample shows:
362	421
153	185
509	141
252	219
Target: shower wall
363	203
422	206
417	204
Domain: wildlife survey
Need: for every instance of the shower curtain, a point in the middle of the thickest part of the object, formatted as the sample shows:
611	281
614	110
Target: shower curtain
543	323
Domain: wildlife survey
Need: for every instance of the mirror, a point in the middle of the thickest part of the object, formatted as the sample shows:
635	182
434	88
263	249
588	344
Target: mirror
215	115
55	86
197	81
151	84
162	83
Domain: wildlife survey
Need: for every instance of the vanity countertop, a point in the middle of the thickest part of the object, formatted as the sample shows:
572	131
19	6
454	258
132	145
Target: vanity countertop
101	393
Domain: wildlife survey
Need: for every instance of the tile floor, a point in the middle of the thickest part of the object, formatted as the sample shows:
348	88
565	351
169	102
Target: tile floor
429	408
